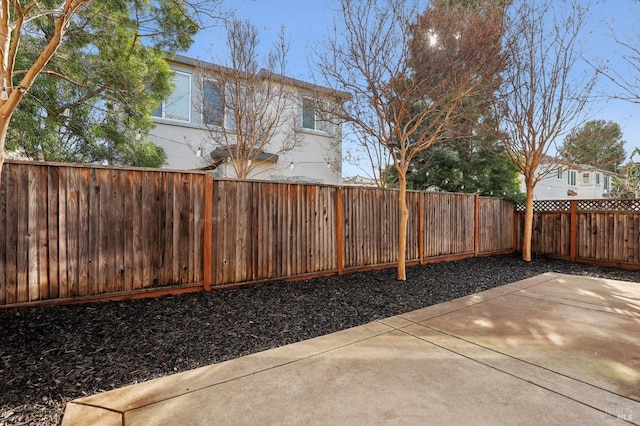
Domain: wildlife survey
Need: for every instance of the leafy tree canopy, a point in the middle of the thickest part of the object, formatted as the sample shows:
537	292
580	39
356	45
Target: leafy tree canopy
94	101
468	166
598	143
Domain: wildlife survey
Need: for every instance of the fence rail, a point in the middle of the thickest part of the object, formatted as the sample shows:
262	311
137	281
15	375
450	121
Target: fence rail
71	231
600	231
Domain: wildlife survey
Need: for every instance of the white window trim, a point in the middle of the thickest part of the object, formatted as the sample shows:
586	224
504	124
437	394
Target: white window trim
163	107
316	119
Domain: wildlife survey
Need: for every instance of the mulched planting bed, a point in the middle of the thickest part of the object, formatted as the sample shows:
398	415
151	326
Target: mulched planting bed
51	355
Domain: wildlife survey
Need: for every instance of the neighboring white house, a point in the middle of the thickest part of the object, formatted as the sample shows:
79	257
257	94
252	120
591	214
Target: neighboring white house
359	181
188	143
567	181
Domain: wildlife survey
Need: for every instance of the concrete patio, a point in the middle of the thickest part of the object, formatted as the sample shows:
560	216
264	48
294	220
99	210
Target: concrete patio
553	349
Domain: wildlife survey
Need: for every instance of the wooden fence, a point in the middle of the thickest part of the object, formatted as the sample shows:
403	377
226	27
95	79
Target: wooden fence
606	232
72	232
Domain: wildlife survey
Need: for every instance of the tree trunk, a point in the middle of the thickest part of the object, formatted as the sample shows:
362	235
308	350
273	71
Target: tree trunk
404	219
4	126
528	224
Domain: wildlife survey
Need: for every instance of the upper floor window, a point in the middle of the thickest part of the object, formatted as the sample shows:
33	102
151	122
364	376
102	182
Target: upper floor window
597	178
606	182
312	118
177	106
559	173
571	178
212	104
586	178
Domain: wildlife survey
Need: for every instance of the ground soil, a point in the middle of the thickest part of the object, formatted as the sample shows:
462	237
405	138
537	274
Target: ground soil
51	355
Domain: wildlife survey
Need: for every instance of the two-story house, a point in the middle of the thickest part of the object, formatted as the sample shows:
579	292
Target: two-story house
562	180
191	122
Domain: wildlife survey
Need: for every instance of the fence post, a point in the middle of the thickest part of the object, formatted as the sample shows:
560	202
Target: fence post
207	270
574	234
340	230
476	224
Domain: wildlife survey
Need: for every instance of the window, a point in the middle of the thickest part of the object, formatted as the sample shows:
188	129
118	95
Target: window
571	178
597	178
221	111
212	104
606	182
312	119
559	172
585	178
178	105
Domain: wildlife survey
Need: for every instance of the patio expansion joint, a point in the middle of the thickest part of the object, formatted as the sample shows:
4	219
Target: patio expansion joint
494	367
89	404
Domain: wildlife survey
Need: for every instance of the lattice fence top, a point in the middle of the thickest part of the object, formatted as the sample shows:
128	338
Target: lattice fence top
548	206
600	205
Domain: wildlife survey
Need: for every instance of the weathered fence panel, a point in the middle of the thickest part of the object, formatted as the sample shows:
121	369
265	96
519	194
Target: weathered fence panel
371	224
601	231
449	224
495	225
71	231
266	230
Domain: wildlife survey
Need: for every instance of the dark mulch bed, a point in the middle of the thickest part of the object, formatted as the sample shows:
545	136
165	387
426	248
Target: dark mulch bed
49	356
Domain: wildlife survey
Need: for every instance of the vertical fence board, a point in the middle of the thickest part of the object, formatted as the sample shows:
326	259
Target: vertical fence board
182	239
62	229
138	220
3	238
102	220
43	281
33	185
128	209
84	243
10	181
73	233
94	232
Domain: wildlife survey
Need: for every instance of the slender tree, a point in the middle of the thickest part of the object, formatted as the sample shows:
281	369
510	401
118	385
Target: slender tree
409	74
598	143
249	110
543	94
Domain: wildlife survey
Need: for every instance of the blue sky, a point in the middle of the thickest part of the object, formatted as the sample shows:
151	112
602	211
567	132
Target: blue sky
307	22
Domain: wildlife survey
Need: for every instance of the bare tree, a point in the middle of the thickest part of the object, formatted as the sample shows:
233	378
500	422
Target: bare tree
626	79
251	113
543	94
409	75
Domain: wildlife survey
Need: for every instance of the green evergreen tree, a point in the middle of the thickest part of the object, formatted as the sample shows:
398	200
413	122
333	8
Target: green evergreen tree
598	143
469	166
93	103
